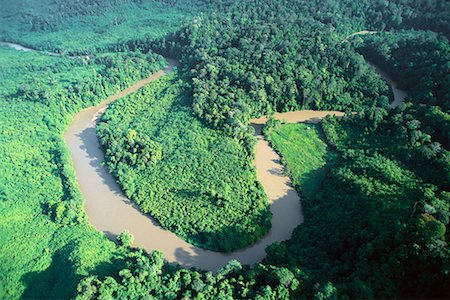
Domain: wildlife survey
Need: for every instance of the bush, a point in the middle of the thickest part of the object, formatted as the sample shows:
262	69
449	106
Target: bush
125	239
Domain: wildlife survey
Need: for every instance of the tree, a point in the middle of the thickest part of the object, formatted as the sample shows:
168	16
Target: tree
125	239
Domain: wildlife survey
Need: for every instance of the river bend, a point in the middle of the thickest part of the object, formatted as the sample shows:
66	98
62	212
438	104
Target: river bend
109	211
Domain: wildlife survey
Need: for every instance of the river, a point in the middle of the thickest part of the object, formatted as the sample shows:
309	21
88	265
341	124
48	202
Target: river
26	49
16	46
109	211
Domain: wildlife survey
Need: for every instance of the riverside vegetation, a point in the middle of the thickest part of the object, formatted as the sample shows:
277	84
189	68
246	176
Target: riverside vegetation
194	180
305	153
43	222
376	228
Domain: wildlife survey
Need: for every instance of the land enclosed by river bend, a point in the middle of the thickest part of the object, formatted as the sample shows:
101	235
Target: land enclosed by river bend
111	212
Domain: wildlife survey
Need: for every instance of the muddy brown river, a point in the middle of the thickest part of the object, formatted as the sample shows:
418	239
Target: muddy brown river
109	211
16	46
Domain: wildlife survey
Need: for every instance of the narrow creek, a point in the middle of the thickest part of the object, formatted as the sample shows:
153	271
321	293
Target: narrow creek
109	211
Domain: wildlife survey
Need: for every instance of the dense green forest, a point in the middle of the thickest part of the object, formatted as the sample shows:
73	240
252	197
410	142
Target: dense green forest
195	181
378	227
380	215
89	26
419	61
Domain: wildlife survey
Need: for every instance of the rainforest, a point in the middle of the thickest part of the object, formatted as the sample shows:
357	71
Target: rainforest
223	149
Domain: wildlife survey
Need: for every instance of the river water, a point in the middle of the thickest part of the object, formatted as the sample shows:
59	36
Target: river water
109	211
399	95
26	49
16	46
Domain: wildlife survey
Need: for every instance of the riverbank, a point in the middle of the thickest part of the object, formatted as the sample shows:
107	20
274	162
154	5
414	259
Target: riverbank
111	212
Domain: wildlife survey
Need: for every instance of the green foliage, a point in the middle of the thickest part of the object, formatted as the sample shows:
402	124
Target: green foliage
141	150
200	183
327	292
307	157
258	62
271	124
419	61
381	186
125	239
87	26
145	276
47	245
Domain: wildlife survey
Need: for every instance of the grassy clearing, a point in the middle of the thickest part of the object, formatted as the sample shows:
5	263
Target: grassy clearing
304	153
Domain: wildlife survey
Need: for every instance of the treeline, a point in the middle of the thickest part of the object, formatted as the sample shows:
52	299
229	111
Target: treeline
147	275
384	15
419	62
379	226
379	15
91	26
196	181
406	14
53	15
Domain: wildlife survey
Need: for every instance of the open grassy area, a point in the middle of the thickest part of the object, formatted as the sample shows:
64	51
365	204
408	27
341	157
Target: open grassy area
304	153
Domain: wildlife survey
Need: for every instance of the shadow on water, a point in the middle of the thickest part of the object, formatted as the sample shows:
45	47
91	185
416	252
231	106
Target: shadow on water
112	236
184	258
277	172
258	128
95	155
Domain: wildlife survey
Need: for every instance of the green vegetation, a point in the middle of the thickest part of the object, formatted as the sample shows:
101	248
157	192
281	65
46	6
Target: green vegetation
306	155
380	217
382	186
195	181
378	227
47	245
147	276
259	63
419	61
125	239
87	26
